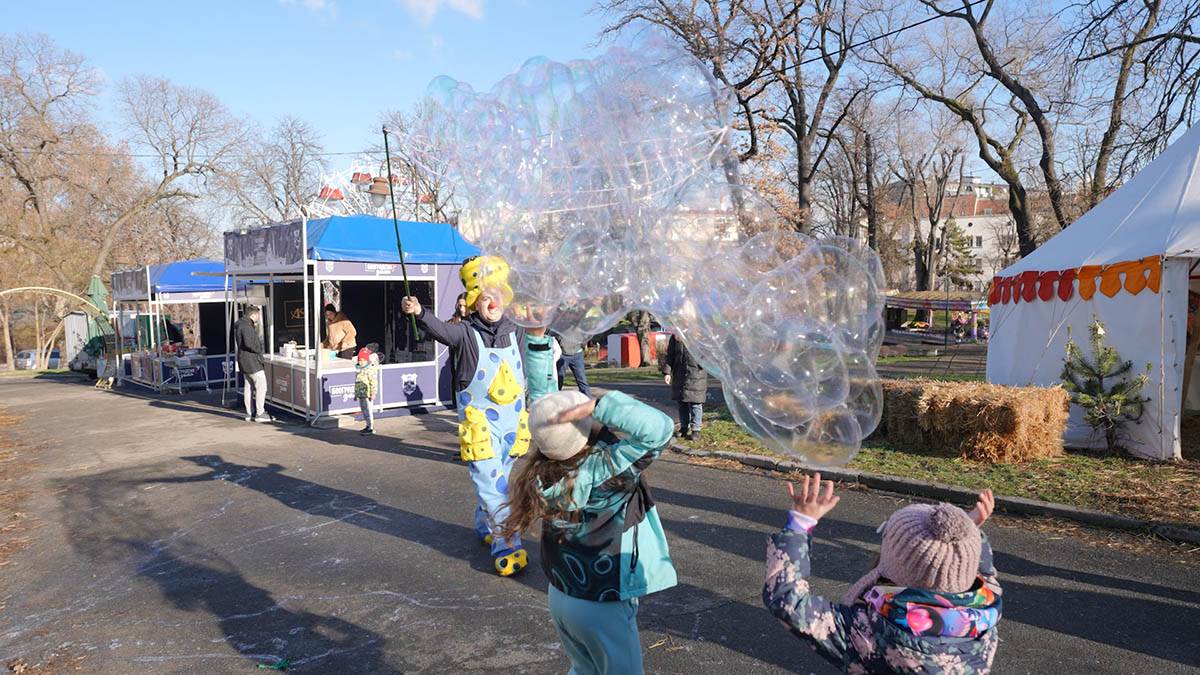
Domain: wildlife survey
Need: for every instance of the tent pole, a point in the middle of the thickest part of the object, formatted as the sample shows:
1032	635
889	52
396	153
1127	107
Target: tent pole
1193	345
308	343
225	357
318	312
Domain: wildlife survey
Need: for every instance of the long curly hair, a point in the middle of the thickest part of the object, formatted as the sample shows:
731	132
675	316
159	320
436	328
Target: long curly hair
525	500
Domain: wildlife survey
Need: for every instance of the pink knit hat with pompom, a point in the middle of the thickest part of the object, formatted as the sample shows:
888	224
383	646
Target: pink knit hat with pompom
928	546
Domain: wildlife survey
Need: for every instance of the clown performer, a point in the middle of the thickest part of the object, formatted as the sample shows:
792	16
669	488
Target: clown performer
493	421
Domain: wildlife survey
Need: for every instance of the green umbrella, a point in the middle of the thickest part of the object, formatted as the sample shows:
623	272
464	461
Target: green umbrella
98	295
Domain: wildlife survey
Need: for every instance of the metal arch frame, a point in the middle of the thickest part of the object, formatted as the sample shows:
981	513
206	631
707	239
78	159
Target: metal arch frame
84	304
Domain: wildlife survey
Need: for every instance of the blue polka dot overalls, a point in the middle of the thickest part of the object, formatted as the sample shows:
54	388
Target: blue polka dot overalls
493	430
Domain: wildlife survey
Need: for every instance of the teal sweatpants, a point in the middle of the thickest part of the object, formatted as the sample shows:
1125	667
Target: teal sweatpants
600	637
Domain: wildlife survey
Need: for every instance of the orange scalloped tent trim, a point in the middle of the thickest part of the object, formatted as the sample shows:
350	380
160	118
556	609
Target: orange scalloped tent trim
1134	276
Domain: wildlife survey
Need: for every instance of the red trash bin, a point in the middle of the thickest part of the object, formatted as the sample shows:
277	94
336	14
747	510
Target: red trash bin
631	353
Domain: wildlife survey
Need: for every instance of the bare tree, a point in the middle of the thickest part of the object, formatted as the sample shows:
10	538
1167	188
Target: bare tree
807	96
279	173
1136	73
1005	238
45	95
1011	60
67	194
726	35
860	144
935	71
420	163
925	170
191	136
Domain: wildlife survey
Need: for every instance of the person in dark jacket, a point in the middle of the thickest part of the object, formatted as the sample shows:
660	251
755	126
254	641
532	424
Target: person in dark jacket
461	313
689	386
250	361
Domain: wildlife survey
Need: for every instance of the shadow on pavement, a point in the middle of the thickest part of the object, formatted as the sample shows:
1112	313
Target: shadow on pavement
455	541
108	525
1165	630
252	621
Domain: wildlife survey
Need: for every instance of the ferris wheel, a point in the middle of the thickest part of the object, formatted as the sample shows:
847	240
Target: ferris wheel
363	189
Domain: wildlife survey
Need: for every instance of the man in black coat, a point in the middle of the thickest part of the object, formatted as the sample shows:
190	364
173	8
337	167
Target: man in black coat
250	361
689	386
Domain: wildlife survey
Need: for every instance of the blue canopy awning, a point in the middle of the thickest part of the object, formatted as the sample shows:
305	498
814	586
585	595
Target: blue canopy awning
183	276
363	238
179	277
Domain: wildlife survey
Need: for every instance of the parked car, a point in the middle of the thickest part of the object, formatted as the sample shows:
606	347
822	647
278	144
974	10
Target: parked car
27	360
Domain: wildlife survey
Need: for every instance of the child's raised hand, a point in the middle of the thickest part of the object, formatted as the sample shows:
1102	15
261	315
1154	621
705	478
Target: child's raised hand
575	414
983	508
813	499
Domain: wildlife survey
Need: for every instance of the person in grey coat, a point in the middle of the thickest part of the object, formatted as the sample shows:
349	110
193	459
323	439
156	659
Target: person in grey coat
689	387
250	362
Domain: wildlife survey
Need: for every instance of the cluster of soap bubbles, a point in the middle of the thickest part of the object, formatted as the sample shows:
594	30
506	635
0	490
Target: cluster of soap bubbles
612	184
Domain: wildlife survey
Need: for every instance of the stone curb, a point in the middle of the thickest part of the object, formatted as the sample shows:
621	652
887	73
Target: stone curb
949	493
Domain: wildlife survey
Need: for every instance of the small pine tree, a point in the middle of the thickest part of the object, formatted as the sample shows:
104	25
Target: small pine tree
1102	386
959	263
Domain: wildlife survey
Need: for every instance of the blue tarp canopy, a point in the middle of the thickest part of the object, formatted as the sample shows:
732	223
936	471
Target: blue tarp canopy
363	238
179	277
174	277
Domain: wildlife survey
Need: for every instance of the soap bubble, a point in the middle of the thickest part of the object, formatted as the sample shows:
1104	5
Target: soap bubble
611	185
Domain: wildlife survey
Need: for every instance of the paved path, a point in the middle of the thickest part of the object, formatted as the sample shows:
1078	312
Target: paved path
176	538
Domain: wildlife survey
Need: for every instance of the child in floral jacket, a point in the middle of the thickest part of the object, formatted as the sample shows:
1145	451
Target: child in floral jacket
929	606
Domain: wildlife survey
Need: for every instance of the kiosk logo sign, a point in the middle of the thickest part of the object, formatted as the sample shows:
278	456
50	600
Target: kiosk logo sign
380	269
408	383
343	391
281	385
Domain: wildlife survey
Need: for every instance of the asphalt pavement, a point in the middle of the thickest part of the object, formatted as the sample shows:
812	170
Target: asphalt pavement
171	536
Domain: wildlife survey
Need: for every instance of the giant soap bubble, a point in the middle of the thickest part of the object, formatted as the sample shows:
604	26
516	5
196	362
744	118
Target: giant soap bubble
612	184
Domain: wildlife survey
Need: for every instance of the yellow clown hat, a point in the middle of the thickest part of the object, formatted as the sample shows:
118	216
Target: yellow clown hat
482	273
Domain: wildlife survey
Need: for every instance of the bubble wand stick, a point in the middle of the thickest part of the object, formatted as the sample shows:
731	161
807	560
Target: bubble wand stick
387	153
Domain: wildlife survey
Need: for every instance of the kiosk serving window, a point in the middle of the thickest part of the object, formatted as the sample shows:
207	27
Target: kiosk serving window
374	309
288	312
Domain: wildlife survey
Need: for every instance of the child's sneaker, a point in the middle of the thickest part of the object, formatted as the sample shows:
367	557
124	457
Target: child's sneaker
508	564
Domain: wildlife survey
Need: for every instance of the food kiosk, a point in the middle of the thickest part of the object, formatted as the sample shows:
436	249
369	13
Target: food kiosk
152	351
350	262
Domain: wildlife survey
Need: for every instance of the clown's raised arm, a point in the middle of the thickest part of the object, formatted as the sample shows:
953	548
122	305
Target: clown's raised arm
453	335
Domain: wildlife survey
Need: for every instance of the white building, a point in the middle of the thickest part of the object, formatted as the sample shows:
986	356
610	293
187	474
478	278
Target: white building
980	210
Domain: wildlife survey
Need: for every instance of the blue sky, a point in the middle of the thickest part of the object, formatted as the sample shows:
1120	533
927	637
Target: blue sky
335	63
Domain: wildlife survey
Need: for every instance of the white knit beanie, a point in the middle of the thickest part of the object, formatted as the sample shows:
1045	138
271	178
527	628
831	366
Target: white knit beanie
564	440
928	546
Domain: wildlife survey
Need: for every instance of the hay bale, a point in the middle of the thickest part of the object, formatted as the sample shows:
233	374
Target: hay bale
974	420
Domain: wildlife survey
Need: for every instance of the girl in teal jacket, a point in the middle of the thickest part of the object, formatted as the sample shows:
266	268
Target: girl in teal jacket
603	545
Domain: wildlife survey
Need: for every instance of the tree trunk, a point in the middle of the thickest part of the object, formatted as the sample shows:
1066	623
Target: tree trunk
1018	205
804	197
37	336
48	346
921	274
1117	109
6	331
872	222
641	323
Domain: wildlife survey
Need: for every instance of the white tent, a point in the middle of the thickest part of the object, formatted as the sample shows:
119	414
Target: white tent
1126	262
